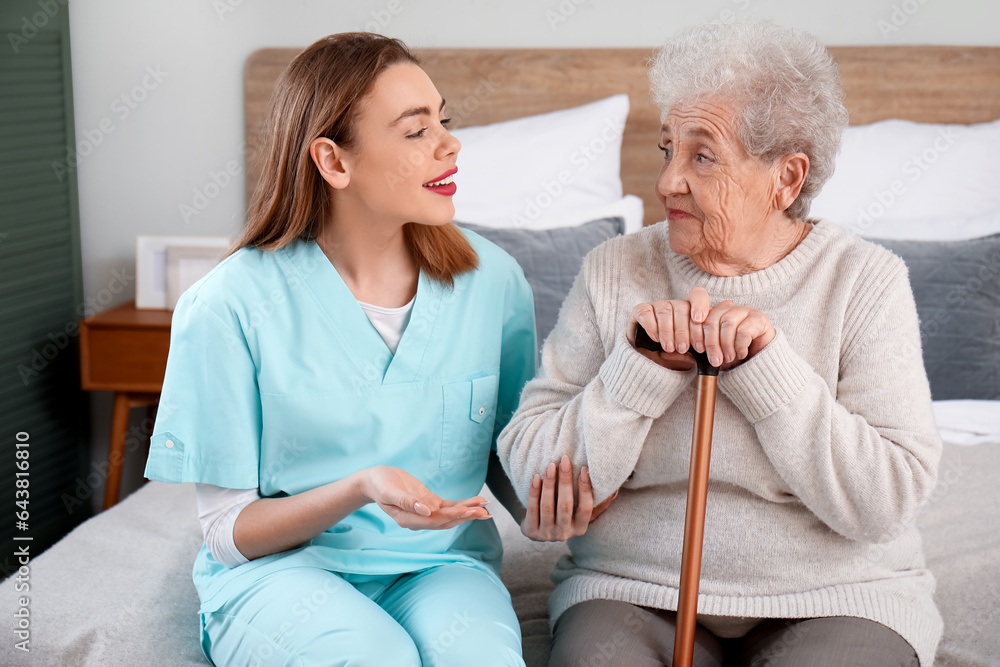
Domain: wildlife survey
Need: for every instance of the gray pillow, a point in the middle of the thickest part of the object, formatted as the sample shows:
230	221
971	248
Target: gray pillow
550	259
956	285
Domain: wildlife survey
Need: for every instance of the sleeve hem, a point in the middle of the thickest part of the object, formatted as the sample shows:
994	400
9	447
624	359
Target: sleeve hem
640	384
167	466
768	381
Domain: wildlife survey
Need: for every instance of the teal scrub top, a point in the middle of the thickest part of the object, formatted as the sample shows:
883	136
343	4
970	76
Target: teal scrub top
277	380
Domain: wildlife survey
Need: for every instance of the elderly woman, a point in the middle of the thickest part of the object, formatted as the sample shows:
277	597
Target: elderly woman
825	445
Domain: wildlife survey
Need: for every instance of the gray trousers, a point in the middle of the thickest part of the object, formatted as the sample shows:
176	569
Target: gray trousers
600	633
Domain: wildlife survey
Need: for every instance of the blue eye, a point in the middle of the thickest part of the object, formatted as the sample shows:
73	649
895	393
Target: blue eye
703	159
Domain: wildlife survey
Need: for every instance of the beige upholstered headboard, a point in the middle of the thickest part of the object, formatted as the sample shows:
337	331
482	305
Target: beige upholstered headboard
939	84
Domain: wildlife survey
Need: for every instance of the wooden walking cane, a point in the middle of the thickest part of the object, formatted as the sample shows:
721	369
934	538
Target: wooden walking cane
697	495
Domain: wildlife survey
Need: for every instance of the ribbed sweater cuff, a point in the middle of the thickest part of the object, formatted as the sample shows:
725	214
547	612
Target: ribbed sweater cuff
768	381
640	384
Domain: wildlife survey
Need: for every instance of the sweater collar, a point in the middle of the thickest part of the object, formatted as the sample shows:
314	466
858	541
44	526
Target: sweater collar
794	263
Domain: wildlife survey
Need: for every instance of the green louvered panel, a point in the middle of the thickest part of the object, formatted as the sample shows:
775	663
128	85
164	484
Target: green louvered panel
20	340
22	150
30	268
46	206
28	129
40	279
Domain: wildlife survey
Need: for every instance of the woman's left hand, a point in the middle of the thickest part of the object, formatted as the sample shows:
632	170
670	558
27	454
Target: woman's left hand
732	334
551	516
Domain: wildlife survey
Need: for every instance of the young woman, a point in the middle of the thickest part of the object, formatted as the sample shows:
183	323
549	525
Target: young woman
335	387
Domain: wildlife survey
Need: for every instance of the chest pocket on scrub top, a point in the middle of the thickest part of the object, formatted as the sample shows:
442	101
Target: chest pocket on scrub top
468	419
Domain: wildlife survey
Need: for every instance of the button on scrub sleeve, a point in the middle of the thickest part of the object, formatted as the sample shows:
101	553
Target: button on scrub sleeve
208	423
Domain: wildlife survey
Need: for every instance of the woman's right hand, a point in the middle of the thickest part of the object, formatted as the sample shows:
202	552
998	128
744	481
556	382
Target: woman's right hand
412	505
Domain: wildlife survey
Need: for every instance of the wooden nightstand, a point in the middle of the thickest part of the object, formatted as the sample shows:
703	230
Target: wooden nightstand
124	350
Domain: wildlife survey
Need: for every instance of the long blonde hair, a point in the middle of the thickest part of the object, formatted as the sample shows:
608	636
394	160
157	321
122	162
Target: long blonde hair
319	95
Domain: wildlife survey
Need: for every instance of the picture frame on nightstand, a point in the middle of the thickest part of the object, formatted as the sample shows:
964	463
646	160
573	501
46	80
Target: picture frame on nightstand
186	265
191	255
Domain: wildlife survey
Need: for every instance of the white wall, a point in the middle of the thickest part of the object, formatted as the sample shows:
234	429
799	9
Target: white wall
158	90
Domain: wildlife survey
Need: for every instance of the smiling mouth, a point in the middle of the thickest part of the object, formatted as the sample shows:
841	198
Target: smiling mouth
444	184
448	180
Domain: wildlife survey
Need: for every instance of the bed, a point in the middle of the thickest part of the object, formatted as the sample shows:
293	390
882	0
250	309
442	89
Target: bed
118	591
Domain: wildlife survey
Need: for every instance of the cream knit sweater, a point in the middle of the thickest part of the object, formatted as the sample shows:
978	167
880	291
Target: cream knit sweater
824	445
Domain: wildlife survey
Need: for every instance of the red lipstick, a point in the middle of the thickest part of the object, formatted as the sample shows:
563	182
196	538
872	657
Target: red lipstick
443	184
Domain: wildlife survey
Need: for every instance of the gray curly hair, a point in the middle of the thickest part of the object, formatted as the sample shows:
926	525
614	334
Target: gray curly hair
784	83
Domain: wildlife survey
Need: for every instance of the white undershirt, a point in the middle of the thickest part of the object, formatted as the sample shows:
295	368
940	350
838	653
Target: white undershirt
388	322
218	507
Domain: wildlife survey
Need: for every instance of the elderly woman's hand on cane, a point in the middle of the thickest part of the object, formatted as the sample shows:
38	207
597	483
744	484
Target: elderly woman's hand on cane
729	334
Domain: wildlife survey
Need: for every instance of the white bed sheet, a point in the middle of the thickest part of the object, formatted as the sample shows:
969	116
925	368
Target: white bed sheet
968	422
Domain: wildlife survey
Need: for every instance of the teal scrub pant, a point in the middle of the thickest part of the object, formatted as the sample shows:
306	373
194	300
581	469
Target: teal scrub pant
446	615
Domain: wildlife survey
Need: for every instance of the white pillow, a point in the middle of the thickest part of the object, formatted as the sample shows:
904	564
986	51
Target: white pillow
968	422
630	208
898	171
930	229
533	171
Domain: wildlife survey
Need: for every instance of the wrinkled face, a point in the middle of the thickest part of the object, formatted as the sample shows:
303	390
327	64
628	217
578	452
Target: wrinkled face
719	201
401	170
